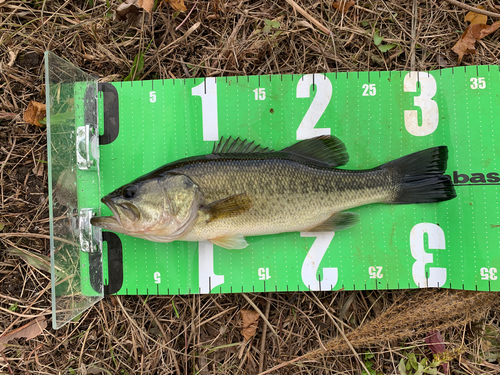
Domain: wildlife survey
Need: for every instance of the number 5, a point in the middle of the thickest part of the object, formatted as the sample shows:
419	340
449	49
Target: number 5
430	112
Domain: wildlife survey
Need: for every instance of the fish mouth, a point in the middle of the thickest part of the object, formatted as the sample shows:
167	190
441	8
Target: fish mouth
118	211
107	221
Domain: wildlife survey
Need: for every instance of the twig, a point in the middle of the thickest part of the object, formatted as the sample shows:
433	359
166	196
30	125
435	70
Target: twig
261	315
413	35
493	6
3	166
185	19
38	235
284	364
472	9
8	366
341	331
264	332
309	17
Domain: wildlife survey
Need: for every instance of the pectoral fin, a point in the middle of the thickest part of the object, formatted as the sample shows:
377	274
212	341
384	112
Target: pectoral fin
228	207
233	242
336	222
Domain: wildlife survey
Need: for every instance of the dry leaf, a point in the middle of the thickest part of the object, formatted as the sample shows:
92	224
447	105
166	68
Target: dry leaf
466	44
147	5
177	5
129	11
29	331
34	113
343	6
250	325
304	24
12	57
475	18
441	60
38	169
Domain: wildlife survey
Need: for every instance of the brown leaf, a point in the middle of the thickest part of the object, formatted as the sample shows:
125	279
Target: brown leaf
467	43
475	18
29	331
147	5
250	324
343	6
34	113
129	11
38	169
177	5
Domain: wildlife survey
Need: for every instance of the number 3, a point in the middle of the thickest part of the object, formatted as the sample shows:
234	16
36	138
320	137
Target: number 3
436	240
430	112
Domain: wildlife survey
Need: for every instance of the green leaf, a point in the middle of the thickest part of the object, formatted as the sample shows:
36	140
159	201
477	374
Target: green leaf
273	24
420	369
377	39
175	309
386	47
77	318
137	66
402	367
365	23
13	307
369	355
412	361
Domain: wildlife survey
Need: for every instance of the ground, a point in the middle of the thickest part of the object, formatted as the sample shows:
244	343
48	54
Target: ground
321	333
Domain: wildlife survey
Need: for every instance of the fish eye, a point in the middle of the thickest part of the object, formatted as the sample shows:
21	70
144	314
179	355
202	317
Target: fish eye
128	192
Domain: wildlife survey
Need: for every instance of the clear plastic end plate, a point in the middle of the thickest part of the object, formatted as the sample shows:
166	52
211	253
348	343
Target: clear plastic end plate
73	165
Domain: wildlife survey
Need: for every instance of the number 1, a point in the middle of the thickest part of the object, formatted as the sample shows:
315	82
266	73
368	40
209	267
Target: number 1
207	91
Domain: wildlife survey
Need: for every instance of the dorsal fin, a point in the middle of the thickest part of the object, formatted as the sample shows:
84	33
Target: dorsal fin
237	146
324	150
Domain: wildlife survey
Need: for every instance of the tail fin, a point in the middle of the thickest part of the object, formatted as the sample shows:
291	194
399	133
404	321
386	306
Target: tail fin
422	178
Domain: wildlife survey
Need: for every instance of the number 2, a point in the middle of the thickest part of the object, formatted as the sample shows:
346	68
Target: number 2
318	106
310	266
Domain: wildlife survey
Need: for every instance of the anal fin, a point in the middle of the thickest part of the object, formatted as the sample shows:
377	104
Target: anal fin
338	221
231	243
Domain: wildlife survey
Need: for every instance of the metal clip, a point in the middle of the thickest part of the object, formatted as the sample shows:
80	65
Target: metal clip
85	138
90	237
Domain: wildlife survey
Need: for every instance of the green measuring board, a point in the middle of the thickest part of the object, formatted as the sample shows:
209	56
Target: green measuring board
380	116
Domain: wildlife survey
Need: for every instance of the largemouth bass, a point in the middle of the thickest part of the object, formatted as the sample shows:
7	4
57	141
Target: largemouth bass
242	189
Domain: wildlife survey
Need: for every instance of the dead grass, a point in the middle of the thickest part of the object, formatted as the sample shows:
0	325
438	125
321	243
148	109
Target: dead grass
318	333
